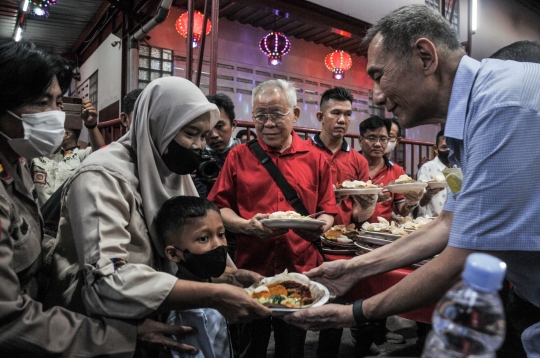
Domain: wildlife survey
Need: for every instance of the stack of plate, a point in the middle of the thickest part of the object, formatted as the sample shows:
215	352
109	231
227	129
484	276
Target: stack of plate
338	248
379	241
381	235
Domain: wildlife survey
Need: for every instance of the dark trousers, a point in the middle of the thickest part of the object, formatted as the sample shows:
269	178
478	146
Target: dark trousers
254	338
366	334
520	315
329	342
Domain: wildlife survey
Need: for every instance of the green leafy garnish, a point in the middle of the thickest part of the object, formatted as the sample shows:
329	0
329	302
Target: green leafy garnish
276	299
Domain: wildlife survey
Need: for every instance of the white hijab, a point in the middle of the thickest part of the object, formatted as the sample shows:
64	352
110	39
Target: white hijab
162	109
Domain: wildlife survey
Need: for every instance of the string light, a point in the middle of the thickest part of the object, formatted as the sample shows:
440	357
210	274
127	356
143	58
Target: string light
198	18
274	46
338	61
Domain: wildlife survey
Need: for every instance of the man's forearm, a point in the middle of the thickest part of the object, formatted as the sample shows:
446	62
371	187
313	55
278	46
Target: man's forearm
405	208
426	199
424	243
424	286
232	221
95	138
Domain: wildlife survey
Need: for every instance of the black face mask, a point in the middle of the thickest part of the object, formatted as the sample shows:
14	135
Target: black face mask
210	264
181	160
443	157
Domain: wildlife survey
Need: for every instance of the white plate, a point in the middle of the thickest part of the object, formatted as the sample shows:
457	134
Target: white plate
293	223
357	191
436	184
321	301
406	187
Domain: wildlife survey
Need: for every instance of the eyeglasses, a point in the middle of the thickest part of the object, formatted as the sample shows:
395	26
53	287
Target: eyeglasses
374	139
276	118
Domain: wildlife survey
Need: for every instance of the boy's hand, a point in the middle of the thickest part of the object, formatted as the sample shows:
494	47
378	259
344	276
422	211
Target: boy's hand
238	277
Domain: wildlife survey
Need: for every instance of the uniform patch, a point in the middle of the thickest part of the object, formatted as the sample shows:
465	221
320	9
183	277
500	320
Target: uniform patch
40	177
3	173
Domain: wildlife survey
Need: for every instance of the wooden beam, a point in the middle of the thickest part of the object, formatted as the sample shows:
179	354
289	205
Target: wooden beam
311	13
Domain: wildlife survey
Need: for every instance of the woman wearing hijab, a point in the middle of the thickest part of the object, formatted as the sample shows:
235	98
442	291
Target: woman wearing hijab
32	125
107	231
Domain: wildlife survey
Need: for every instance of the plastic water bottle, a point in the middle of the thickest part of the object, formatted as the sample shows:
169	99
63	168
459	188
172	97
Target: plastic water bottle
469	320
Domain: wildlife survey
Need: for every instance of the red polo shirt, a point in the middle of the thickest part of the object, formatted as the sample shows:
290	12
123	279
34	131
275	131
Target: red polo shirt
247	188
388	172
345	164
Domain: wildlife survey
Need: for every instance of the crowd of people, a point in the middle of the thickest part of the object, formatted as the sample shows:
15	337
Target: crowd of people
149	257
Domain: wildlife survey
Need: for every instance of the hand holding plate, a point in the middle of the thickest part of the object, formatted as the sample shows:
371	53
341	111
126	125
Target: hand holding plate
256	228
334	275
310	234
413	197
326	316
365	200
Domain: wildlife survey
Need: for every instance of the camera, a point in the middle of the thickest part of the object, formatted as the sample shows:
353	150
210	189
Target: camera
208	169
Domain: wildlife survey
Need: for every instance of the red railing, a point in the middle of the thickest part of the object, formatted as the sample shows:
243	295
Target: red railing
112	130
409	153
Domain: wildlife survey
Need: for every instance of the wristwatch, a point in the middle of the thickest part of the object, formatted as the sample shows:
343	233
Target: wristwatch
358	313
91	126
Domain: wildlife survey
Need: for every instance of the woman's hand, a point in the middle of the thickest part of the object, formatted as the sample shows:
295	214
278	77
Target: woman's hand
237	305
156	334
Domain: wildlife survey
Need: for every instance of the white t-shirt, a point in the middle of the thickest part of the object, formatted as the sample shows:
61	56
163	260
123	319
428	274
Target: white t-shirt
427	172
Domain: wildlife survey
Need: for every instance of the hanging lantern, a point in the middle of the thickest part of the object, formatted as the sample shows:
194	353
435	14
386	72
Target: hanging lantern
198	18
338	62
41	7
274	45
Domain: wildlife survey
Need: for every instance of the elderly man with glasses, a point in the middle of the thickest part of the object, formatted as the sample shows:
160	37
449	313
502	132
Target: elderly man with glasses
374	139
246	193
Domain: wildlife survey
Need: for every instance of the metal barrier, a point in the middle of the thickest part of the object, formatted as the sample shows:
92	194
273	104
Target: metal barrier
111	130
408	153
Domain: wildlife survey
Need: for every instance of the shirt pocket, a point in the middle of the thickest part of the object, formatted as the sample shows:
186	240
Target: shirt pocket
309	194
26	244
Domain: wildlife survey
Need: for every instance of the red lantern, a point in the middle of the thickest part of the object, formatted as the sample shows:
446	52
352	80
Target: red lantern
338	61
274	45
198	18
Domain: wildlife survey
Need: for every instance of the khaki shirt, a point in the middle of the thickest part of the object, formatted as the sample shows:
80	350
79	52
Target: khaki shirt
103	237
49	173
26	329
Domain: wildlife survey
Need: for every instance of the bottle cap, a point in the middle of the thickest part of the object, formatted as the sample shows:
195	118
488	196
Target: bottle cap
484	272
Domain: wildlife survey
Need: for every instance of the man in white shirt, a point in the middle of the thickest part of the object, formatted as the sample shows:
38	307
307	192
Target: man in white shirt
50	172
433	200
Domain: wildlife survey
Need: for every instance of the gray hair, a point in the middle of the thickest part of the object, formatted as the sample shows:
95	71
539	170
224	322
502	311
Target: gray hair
402	27
287	87
521	51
